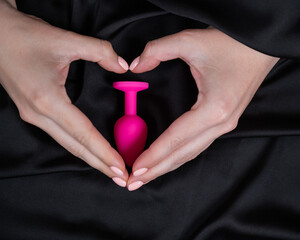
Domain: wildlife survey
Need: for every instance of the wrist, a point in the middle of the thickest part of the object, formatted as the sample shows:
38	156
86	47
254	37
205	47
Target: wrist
6	9
12	3
8	14
9	18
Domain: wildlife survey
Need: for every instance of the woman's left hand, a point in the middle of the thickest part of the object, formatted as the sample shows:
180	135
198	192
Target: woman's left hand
227	74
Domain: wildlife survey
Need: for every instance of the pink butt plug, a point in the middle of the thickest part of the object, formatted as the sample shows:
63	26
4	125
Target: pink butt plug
130	131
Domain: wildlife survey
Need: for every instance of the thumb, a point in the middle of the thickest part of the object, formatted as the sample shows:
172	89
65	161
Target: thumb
96	50
160	50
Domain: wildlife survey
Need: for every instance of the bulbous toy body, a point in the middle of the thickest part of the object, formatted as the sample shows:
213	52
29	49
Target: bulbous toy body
130	133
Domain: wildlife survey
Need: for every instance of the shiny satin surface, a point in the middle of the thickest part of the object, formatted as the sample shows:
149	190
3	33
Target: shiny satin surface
246	185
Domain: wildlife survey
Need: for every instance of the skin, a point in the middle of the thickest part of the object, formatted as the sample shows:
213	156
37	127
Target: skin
227	74
42	54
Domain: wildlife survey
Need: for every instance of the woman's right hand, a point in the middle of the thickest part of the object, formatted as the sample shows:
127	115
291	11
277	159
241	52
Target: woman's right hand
34	63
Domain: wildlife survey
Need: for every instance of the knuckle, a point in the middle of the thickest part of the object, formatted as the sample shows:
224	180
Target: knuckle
26	116
180	158
230	125
178	162
105	47
106	44
149	47
223	111
83	137
76	150
40	102
175	143
186	34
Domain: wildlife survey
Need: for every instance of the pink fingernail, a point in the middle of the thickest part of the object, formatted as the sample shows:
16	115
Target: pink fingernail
135	185
134	63
140	172
119	181
117	171
123	63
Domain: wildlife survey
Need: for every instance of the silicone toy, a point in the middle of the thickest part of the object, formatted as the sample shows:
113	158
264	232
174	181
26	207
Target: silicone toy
130	131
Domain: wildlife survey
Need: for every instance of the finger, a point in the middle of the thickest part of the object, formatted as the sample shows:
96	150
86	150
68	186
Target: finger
205	114
170	163
74	122
175	158
159	50
181	131
96	50
79	127
77	149
72	145
187	137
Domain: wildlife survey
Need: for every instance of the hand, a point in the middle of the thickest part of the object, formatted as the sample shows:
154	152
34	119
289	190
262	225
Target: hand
227	74
34	63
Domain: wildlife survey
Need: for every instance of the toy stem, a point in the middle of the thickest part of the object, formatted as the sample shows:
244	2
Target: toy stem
130	102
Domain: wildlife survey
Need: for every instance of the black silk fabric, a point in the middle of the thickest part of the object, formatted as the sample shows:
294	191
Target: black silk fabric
245	186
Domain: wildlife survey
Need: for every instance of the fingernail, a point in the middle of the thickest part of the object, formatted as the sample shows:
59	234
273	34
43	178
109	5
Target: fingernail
135	185
140	172
134	63
123	63
117	171
119	181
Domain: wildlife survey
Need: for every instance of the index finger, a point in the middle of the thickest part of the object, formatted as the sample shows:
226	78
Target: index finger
163	49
